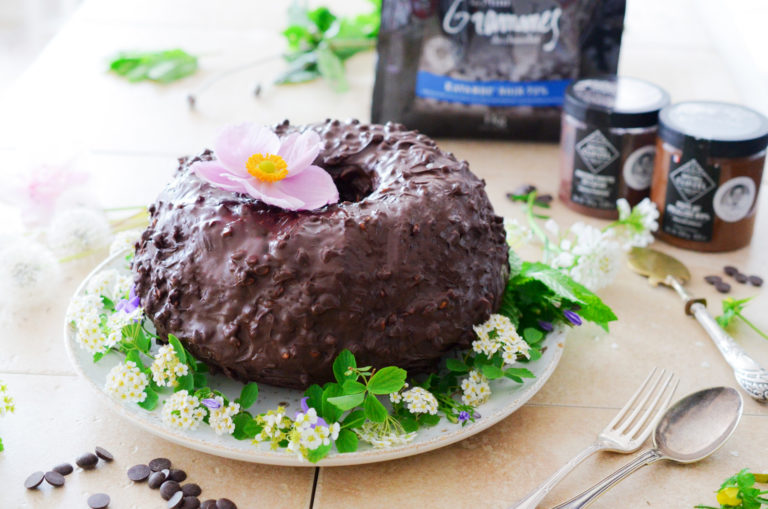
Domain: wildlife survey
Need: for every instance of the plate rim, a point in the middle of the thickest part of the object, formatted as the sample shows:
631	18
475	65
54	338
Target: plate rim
281	458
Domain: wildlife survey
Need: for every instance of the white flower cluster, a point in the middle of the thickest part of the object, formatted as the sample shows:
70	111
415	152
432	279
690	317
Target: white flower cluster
475	389
420	401
92	336
382	436
166	368
274	426
517	234
639	223
182	411
498	332
110	284
124	240
78	231
308	433
397	397
220	419
126	382
7	404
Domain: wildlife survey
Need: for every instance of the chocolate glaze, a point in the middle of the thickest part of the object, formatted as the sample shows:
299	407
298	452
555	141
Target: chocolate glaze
397	272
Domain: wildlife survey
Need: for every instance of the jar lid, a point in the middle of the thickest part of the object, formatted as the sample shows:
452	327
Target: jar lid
731	130
615	101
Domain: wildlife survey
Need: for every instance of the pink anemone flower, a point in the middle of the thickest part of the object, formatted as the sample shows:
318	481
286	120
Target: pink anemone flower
277	171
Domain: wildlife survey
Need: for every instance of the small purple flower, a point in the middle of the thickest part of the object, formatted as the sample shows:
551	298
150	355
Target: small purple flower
211	403
477	415
572	317
546	326
130	304
463	416
304	406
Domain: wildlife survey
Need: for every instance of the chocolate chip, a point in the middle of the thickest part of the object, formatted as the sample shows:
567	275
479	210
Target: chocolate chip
177	475
544	199
104	454
54	478
712	279
63	469
139	473
723	287
225	503
730	270
98	501
191	503
168	488
209	504
156	479
87	461
175	500
521	190
756	280
159	464
741	278
191	490
34	480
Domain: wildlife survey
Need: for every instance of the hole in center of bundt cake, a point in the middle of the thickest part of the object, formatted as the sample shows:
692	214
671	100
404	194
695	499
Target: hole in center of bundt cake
353	182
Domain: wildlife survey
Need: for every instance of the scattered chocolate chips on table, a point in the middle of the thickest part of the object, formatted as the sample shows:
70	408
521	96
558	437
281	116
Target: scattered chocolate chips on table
156	479
756	280
139	473
722	287
63	468
191	490
87	461
158	464
177	475
521	191
169	488
225	503
544	199
190	503
175	500
98	501
730	270
34	480
713	280
104	454
209	504
741	278
54	479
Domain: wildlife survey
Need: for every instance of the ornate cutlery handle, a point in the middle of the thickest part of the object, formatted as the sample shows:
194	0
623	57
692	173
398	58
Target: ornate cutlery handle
587	497
531	501
748	373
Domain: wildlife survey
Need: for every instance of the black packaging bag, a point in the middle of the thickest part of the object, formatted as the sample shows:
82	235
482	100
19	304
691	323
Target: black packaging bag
489	68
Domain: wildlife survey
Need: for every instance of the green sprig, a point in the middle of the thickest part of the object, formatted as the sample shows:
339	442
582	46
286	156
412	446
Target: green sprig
733	309
159	66
739	492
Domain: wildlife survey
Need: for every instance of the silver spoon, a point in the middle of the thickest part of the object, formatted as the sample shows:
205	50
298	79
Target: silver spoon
692	429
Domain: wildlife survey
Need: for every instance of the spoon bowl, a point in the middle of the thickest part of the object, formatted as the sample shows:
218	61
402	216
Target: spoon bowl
699	424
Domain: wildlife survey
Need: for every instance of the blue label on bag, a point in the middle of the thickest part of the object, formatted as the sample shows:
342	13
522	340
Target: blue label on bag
491	93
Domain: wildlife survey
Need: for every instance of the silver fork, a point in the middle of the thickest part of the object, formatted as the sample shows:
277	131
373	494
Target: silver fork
625	433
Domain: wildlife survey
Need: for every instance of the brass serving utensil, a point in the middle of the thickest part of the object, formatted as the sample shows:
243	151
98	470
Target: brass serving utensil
663	269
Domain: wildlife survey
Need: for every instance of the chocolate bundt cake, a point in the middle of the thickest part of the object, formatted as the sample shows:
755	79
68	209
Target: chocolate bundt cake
397	271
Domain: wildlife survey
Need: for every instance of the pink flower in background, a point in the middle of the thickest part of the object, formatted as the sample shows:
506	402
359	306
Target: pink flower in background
254	160
40	190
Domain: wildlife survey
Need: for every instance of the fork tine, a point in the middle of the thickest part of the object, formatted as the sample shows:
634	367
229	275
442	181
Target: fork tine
645	396
657	411
623	411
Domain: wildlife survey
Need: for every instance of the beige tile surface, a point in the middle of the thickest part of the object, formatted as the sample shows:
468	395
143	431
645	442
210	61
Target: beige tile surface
57	419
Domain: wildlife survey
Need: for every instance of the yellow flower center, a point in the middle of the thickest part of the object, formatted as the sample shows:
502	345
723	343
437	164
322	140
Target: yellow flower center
267	167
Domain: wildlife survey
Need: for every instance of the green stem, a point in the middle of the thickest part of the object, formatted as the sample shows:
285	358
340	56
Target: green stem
751	325
536	229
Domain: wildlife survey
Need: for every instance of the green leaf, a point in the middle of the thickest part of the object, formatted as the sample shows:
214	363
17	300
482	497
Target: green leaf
248	395
252	428
330	412
150	402
535	354
322	17
98	356
160	66
178	348
1	445
374	410
185	383
200	380
347	402
354	419
518	373
429	420
352	387
316	455
142	341
387	380
331	68
343	362
515	264
347	441
135	357
532	336
456	365
107	303
491	372
314	394
242	430
409	423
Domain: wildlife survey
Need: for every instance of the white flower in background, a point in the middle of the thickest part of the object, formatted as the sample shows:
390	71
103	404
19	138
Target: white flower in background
104	284
7	404
126	382
395	397
514	349
78	231
82	306
28	271
517	234
475	389
182	411
123	288
307	418
310	432
220	418
598	257
274	423
124	240
167	367
638	223
420	401
92	337
119	319
498	332
328	433
552	227
564	259
382	436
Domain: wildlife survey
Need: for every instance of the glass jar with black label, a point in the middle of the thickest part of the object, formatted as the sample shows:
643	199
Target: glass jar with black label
608	142
708	171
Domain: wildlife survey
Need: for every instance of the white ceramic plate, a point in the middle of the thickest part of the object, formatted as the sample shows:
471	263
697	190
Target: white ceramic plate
507	396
